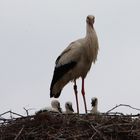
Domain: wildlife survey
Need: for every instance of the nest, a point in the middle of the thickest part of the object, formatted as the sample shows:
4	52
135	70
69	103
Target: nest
55	126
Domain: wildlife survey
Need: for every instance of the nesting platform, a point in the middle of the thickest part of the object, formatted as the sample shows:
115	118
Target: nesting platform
54	126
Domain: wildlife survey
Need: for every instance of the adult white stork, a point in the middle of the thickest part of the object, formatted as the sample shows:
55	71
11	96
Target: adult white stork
75	61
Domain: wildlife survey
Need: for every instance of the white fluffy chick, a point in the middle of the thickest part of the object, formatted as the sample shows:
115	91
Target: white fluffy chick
94	104
69	108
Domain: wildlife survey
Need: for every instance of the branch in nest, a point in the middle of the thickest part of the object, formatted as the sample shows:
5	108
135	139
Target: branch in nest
27	110
122	105
97	132
19	133
11	113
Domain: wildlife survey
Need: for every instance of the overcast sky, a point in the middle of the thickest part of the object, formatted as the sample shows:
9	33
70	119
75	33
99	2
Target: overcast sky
33	33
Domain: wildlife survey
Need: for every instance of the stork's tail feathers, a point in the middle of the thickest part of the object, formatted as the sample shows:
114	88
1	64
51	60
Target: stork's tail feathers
57	82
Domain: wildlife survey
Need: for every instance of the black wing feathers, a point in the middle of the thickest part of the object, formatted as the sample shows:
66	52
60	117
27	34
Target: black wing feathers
59	72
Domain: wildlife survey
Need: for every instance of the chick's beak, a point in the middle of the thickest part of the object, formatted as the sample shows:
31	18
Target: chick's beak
70	107
60	109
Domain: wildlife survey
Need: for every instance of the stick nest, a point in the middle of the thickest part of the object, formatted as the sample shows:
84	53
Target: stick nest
54	126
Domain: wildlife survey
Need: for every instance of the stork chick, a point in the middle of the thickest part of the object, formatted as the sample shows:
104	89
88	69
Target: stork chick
69	108
94	104
56	106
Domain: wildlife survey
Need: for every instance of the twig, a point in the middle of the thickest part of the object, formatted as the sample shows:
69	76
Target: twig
101	136
19	133
27	110
123	105
11	114
79	135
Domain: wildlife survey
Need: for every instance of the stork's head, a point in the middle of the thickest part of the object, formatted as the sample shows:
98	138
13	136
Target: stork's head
68	106
55	104
90	20
94	101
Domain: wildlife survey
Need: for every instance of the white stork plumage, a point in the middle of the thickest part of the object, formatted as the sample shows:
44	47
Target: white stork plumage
69	108
94	104
75	61
55	107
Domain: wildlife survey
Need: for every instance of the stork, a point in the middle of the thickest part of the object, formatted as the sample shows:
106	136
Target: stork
55	107
75	61
94	104
69	108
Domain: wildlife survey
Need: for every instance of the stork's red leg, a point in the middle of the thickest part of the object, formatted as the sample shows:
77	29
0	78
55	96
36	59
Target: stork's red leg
76	92
83	93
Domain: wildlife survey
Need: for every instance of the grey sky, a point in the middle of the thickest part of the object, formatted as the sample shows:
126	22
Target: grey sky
33	33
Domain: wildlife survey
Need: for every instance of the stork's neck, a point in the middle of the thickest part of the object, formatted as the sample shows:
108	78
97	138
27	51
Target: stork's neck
95	108
89	30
